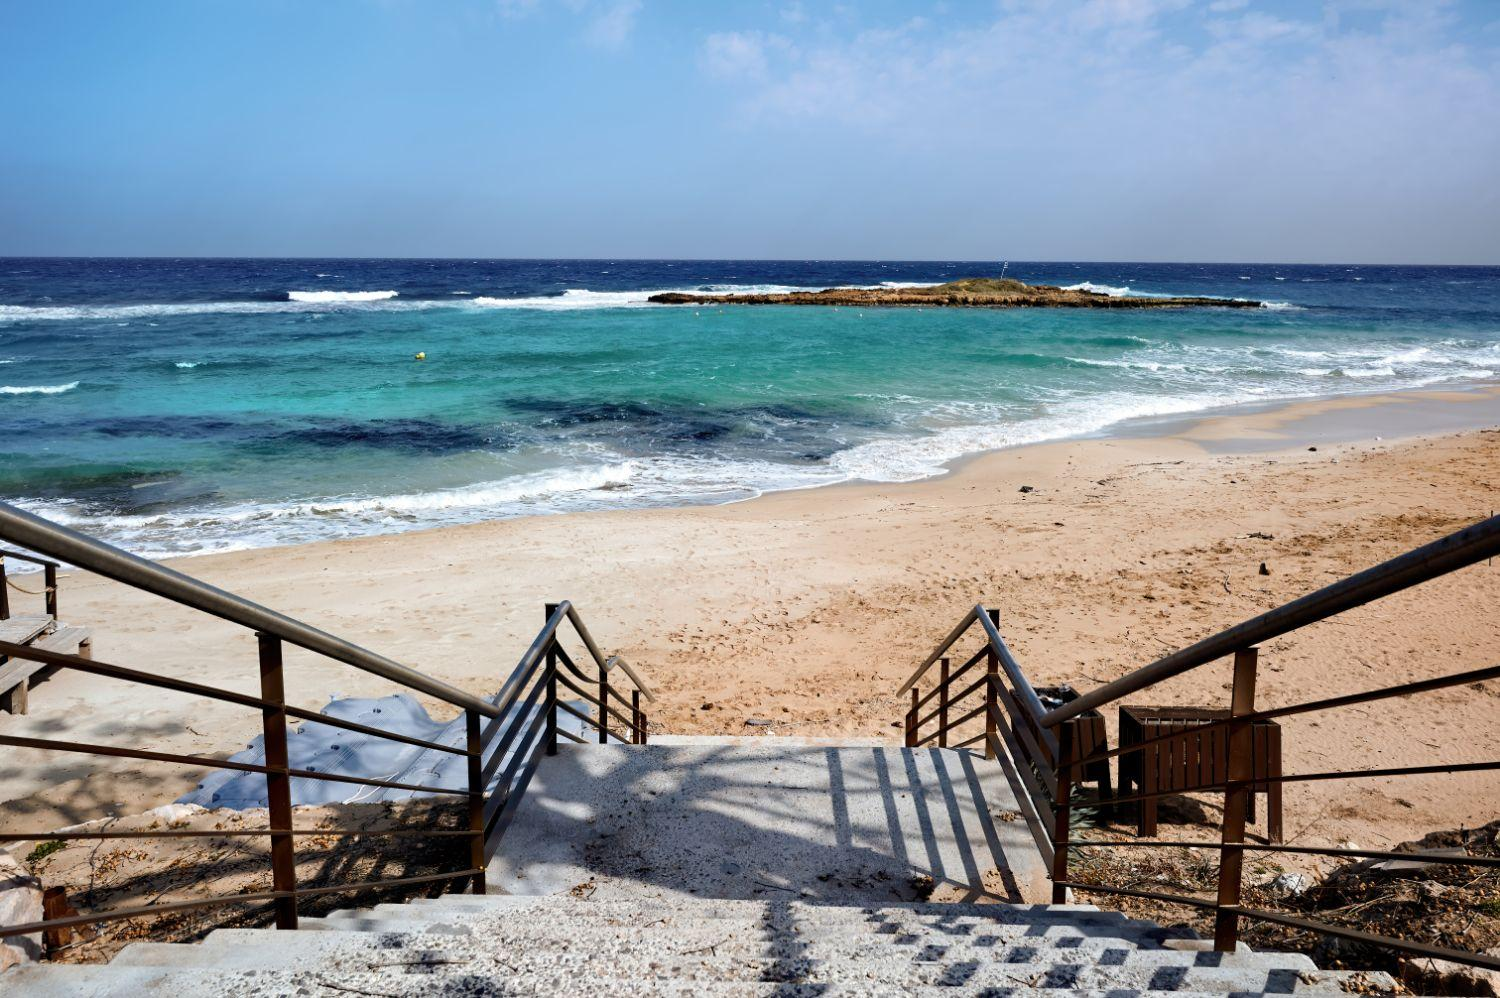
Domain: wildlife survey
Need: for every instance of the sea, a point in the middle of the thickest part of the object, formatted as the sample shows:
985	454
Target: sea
189	406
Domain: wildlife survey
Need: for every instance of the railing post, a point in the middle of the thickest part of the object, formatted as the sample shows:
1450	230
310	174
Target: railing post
943	703
551	705
911	720
991	698
1062	817
49	577
636	735
476	798
278	780
603	706
1236	800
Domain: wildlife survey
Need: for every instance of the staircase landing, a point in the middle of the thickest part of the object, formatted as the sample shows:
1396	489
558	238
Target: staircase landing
770	818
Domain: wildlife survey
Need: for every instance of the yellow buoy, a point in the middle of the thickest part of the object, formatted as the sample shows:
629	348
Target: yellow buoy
421	355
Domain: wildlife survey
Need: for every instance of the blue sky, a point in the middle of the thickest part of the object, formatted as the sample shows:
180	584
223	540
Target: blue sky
1234	130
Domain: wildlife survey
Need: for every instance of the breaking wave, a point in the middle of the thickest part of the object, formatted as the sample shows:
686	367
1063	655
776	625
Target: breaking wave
326	297
37	389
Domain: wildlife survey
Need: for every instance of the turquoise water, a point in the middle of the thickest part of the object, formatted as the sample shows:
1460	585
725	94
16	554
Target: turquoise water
191	406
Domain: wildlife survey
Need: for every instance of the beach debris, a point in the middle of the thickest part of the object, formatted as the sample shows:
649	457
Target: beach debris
1260	535
1028	488
1312	448
20	901
1264	570
707	706
1443	977
757	722
1287	884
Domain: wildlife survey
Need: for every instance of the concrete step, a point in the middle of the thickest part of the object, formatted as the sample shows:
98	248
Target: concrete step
81	981
242	952
397	918
905	966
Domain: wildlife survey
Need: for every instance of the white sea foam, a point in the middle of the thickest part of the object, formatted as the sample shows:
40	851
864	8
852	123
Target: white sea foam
325	297
37	389
1099	289
1279	306
187	365
570	300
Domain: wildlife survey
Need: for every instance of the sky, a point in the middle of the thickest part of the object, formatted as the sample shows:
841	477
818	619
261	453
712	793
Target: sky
1358	131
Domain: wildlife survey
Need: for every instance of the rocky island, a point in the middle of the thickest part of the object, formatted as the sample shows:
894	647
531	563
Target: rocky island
971	292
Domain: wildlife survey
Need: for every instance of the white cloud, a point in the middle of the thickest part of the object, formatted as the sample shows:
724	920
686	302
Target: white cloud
732	55
612	24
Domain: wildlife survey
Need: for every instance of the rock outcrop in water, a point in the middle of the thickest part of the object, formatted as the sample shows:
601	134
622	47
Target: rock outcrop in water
971	292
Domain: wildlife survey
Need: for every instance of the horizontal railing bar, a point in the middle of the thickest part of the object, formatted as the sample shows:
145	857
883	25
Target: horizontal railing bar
598	656
1364	774
198	833
1419	857
1261	781
1025	694
495	828
365	781
530	743
27	928
507	701
365	729
1459	549
1134	893
75	548
1344	700
574	688
579	714
1040	802
954	724
969	741
376	885
953	700
943	646
128	675
20	556
577	739
1026	751
1329	929
567	660
595	701
1041	819
84	748
531	656
517	724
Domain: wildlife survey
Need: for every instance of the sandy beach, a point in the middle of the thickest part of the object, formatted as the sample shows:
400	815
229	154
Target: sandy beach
808	609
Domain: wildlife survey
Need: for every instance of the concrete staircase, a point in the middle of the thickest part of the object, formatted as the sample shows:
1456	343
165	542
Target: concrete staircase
726	867
518	945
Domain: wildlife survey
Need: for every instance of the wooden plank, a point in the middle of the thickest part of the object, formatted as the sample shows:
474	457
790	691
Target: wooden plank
64	641
20	630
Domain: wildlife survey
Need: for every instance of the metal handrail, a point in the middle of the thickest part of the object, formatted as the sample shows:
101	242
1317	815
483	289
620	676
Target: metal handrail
72	547
1008	661
1457	550
22	556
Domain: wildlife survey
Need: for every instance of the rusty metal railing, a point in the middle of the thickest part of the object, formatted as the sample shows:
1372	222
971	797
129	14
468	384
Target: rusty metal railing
514	729
48	591
1043	745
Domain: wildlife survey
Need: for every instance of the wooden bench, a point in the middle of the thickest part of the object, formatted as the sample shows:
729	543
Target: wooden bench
34	631
1193	762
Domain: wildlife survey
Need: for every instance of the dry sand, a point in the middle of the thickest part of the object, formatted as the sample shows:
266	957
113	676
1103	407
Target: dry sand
810	608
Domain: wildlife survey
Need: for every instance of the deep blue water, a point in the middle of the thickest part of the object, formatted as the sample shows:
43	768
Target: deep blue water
196	405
